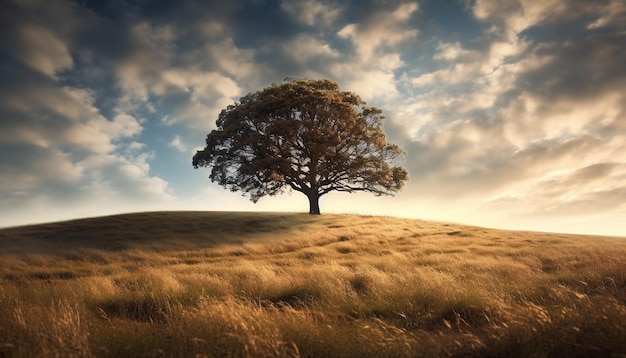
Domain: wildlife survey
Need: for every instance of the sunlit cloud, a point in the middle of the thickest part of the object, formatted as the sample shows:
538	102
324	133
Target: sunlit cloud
383	29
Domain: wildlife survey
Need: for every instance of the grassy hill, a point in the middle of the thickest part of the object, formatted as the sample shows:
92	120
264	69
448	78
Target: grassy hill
271	284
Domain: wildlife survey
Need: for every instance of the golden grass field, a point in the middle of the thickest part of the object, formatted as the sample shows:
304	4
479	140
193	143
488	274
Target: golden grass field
216	284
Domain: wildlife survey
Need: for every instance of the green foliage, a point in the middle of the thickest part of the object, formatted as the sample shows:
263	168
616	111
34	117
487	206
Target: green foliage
303	135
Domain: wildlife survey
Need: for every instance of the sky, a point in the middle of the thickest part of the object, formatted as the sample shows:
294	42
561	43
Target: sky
512	113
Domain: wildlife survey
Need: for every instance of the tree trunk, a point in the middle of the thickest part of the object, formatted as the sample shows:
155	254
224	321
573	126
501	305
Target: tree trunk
314	204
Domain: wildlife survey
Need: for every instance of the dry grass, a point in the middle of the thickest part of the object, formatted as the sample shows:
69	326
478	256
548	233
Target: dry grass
260	284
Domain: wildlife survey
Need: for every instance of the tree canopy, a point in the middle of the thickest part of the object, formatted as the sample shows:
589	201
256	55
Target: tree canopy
303	135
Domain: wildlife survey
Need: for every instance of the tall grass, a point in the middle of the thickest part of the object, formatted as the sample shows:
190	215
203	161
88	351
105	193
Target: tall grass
249	284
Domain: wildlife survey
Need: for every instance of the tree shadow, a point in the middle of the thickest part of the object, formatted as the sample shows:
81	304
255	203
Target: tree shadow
155	231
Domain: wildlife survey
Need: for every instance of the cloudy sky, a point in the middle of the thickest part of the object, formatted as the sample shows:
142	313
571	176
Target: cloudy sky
512	113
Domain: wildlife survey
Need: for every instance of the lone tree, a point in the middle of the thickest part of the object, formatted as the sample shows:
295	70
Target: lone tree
305	135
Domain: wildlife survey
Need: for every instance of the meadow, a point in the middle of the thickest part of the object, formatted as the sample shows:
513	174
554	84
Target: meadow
219	284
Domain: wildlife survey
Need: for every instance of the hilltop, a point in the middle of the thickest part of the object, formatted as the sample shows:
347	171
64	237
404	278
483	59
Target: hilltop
282	284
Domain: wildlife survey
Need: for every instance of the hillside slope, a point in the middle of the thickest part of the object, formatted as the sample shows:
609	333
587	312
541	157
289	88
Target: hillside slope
215	283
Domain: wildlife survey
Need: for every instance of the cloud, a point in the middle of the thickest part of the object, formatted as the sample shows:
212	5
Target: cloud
26	167
49	116
177	143
312	12
614	14
522	120
156	77
29	36
60	146
368	67
112	175
152	51
514	16
308	50
195	97
43	51
382	29
595	188
229	59
450	51
471	66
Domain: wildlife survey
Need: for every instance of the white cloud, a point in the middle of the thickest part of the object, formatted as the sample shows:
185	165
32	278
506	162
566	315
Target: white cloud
450	51
153	51
523	127
511	17
80	108
305	48
34	167
62	152
458	73
370	82
156	77
119	177
384	29
312	12
44	51
470	66
538	117
177	143
518	15
122	125
579	190
370	69
236	62
207	94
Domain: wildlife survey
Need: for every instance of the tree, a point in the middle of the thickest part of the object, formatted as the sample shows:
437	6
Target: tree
304	135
